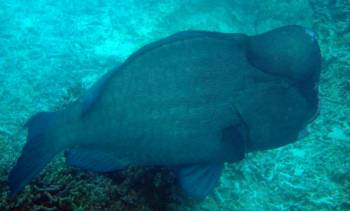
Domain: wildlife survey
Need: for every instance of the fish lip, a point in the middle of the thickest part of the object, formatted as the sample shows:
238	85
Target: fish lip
308	88
317	112
303	133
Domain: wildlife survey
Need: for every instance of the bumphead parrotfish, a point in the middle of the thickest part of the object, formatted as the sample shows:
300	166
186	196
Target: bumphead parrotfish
191	101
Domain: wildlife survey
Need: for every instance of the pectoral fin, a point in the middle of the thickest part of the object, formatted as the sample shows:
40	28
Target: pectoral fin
199	180
235	137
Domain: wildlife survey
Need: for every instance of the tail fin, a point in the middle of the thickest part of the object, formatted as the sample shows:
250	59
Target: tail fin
37	152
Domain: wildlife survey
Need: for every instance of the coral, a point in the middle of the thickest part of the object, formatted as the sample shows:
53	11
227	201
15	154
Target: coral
62	188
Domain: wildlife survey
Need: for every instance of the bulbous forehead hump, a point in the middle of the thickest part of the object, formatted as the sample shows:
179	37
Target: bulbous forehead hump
290	51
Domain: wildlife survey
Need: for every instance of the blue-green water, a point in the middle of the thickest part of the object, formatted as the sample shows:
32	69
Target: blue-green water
52	51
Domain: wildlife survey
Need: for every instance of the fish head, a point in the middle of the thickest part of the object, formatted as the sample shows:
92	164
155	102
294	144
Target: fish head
277	111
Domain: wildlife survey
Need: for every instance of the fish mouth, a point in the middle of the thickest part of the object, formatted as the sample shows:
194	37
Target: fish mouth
314	103
310	92
317	106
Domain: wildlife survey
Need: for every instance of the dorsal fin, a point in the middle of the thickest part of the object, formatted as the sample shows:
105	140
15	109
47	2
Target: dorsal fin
94	92
94	160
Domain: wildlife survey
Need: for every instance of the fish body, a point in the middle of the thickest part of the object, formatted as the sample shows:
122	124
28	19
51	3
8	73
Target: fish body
193	101
175	115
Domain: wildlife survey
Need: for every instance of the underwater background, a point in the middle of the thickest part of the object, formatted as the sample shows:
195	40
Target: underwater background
51	51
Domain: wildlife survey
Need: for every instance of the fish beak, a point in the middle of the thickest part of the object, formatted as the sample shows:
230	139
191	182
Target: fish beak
303	133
